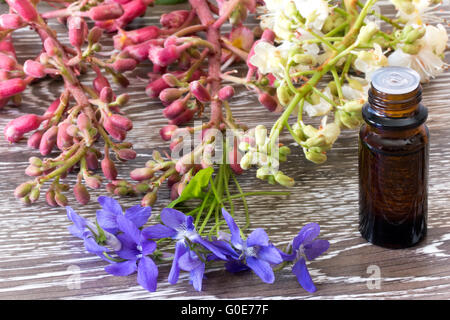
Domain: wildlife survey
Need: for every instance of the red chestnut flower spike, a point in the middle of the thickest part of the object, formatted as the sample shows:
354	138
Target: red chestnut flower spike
80	117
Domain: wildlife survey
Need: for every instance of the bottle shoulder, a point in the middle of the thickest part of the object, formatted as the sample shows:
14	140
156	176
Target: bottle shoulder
406	141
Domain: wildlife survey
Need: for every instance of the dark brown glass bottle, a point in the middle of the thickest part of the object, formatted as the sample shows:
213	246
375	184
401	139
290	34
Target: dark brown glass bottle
393	160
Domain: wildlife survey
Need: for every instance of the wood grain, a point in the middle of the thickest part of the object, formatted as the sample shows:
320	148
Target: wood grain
38	256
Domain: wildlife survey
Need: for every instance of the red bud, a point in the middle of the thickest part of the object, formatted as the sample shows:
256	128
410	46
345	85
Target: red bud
109	169
48	140
106	12
16	128
11	87
167	132
81	193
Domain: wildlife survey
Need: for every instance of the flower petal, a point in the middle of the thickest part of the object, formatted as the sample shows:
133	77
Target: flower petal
189	261
148	247
92	246
129	228
234	229
197	277
180	249
316	248
147	274
303	277
208	245
172	218
262	269
128	249
107	220
158	231
79	223
308	233
122	268
235	266
270	254
139	215
258	238
110	204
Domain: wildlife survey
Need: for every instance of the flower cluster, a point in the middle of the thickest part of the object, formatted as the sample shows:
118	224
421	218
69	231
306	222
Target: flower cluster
122	239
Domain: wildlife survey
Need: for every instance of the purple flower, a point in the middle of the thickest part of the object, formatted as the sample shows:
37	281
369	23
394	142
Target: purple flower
111	209
91	234
255	252
135	250
181	228
304	247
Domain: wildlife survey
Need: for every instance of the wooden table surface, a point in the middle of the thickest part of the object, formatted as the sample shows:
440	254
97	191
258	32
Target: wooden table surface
39	259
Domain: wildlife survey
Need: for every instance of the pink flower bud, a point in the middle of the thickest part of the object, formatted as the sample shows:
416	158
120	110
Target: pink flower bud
78	30
268	101
51	47
48	140
6	62
34	69
107	11
199	91
174	19
121	122
234	157
268	35
11	21
60	199
100	82
109	169
11	87
107	95
170	79
50	198
91	160
132	10
184	117
16	128
126	154
123	65
155	87
25	9
165	56
63	139
83	121
139	51
35	140
23	189
175	109
170	94
81	194
141	174
125	38
167	131
93	182
114	131
174	191
95	34
149	199
6	46
33	171
226	93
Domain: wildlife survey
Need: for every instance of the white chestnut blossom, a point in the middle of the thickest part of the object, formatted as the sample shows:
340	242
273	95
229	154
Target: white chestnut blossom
271	59
368	61
428	60
417	11
314	11
321	108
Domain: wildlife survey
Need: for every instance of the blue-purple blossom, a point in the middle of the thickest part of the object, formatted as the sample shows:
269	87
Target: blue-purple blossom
111	209
305	247
255	252
90	233
181	228
135	250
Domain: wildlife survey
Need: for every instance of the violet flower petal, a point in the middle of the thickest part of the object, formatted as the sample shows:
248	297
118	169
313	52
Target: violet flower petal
210	247
110	204
316	248
138	215
147	274
180	249
189	261
258	238
129	228
172	218
122	268
107	221
303	277
197	277
148	247
158	231
262	269
308	233
234	229
270	254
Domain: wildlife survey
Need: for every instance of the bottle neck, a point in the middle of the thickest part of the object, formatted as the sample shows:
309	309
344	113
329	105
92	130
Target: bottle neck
395	105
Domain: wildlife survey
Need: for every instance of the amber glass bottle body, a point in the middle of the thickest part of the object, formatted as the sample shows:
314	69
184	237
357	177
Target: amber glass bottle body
393	169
